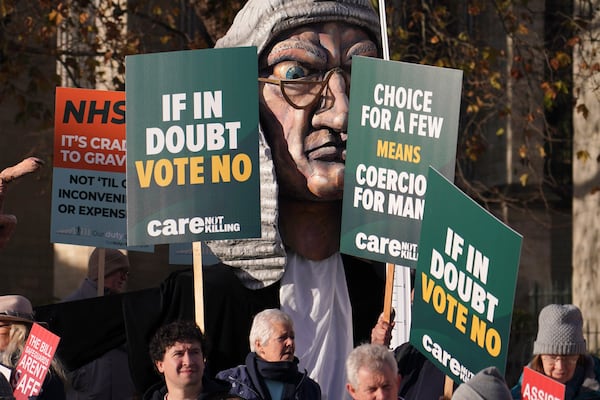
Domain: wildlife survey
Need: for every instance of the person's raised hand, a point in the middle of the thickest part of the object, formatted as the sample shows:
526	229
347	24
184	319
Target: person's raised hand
382	331
9	222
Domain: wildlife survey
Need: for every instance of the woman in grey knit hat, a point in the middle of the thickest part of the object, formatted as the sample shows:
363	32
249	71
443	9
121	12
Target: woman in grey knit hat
560	353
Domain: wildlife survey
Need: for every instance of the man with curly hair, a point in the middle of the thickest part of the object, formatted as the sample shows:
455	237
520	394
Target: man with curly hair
177	351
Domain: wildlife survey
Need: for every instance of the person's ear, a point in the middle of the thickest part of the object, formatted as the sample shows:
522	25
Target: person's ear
159	366
350	390
258	346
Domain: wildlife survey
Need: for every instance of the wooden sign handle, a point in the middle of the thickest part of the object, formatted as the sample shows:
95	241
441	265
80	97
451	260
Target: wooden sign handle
101	269
448	388
198	285
389	290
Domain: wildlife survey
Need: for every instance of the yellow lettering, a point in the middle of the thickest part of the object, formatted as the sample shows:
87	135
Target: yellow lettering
196	170
493	343
241	167
427	287
478	331
382	148
416	154
399	151
144	174
190	170
452	303
461	318
485	338
439	299
163	173
220	168
180	164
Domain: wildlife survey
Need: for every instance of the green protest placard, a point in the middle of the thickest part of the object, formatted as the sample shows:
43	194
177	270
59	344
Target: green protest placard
465	283
403	118
192	146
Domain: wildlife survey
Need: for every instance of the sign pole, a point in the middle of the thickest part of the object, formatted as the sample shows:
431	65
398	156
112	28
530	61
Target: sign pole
448	388
383	24
101	262
198	285
389	290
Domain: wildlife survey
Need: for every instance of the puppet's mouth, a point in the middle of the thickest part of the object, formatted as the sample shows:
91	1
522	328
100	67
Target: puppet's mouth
323	145
328	152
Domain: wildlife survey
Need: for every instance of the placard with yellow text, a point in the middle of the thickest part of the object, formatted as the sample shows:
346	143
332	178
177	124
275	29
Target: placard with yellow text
465	283
403	118
192	146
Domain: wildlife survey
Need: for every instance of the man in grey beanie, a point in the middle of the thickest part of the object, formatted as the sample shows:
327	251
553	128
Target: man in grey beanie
116	272
560	353
487	384
108	375
303	132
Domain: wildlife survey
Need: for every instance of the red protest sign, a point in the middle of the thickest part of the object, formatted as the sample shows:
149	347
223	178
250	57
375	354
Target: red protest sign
537	386
89	130
34	362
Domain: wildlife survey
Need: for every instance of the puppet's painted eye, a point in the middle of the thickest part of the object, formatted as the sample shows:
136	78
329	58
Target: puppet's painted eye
295	72
291	70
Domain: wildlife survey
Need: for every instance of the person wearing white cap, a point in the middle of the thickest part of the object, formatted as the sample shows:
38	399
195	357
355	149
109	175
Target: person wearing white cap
560	352
16	319
305	50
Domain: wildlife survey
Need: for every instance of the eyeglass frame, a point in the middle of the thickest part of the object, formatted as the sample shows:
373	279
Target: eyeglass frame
552	359
123	273
324	84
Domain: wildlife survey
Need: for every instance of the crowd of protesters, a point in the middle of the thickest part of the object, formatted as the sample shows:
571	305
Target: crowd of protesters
373	371
303	349
178	353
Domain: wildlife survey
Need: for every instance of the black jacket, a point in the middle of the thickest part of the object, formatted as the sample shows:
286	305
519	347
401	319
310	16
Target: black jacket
212	389
421	379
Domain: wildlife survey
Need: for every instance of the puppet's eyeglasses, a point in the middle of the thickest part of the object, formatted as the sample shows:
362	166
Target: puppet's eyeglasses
304	93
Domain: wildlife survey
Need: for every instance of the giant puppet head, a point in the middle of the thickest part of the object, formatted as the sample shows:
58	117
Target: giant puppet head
305	50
